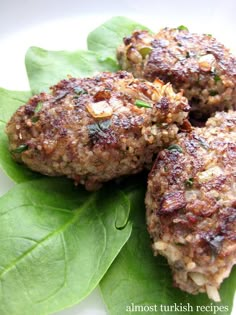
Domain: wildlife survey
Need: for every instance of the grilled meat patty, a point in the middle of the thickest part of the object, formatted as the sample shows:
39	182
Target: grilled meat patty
96	129
191	205
198	64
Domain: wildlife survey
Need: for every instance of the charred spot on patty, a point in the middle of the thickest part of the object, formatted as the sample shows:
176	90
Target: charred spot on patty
91	129
171	202
101	133
195	63
190	201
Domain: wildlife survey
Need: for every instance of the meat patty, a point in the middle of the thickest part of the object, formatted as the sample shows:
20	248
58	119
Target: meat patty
191	205
96	129
196	63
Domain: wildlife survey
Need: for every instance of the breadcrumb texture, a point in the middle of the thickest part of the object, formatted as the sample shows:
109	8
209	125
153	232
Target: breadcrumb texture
93	129
196	63
191	205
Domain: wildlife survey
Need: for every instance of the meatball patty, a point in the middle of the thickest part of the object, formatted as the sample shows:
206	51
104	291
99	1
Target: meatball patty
96	129
191	205
198	64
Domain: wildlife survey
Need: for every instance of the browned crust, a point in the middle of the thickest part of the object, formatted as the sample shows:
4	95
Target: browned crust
196	63
191	204
65	137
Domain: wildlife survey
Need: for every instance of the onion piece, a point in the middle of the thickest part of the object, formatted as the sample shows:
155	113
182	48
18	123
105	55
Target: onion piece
213	293
100	109
198	278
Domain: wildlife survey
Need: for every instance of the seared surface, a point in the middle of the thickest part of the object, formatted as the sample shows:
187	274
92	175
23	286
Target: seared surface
191	205
92	130
198	64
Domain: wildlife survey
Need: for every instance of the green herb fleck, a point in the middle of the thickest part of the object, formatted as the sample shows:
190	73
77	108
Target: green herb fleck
187	54
79	91
182	28
202	142
61	95
189	182
175	147
141	103
213	93
144	51
35	119
99	127
38	107
105	124
217	78
164	125
210	35
21	148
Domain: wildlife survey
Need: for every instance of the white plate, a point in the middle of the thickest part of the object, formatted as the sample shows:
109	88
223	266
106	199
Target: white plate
59	25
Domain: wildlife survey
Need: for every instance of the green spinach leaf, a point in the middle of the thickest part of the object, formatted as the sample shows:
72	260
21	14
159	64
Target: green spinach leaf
46	68
56	243
136	278
107	37
9	102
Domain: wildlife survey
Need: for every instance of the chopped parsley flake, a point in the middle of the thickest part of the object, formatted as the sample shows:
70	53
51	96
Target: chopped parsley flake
187	54
217	78
189	182
175	147
141	103
213	93
38	107
79	91
21	148
182	28
202	142
35	119
144	51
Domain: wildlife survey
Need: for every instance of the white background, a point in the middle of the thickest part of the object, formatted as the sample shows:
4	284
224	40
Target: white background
64	25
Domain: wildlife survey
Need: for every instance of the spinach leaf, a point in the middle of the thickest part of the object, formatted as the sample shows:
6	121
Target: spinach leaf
136	278
9	102
56	243
107	37
46	68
